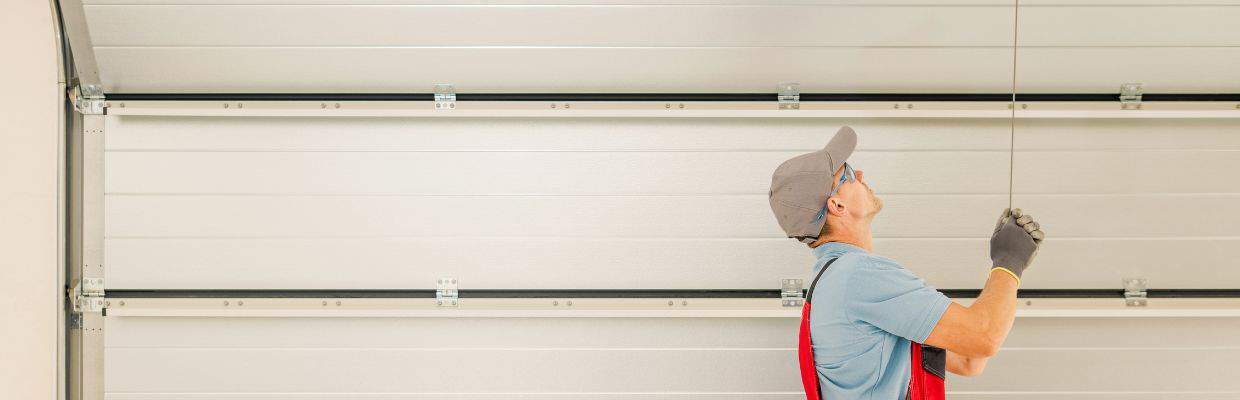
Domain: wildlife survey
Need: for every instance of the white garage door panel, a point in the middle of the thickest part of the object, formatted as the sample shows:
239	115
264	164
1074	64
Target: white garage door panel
617	333
303	358
740	216
575	69
1126	134
544	25
680	25
1129	25
480	173
576	134
415	263
339	173
1121	172
682	69
734	216
534	333
450	370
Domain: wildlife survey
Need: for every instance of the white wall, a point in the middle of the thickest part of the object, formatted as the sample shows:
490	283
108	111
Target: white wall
29	140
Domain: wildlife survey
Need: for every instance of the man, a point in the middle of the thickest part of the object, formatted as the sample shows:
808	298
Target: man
875	330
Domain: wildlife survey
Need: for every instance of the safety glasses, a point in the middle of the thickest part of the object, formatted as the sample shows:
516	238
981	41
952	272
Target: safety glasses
848	176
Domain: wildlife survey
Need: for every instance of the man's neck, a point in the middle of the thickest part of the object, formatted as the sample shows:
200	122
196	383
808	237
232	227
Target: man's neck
859	239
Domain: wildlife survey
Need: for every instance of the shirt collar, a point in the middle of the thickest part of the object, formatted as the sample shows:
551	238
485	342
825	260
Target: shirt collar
834	249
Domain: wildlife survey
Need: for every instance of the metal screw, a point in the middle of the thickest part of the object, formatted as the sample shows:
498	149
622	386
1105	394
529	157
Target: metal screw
668	105
1028	302
225	105
570	303
225	303
123	105
107	304
895	106
239	105
671	303
337	105
682	105
324	303
552	105
566	105
323	105
684	303
440	302
555	303
910	106
122	302
1024	106
337	303
240	303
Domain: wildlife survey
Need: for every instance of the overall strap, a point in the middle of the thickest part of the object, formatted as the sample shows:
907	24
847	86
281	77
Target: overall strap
809	293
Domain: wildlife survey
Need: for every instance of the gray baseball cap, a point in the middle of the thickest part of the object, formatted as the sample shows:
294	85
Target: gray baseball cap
799	186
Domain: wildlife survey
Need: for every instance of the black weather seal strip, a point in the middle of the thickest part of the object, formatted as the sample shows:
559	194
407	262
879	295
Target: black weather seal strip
625	293
721	97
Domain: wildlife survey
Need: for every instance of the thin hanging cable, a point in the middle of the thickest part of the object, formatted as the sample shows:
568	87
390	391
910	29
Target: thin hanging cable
1012	106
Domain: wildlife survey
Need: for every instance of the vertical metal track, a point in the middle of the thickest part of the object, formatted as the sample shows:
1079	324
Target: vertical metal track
84	229
85	364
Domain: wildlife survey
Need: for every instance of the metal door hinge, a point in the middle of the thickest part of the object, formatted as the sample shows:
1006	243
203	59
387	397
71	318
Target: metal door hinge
446	294
793	292
87	295
88	99
1134	292
789	96
445	97
1130	96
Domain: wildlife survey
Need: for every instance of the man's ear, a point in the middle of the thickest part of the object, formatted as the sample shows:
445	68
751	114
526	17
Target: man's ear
835	207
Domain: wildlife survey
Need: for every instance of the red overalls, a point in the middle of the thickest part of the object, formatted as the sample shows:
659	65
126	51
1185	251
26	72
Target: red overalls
928	362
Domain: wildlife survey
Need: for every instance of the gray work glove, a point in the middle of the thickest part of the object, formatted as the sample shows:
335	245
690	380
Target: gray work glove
1015	241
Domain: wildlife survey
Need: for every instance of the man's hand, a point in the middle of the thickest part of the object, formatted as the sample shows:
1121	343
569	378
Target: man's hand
1015	241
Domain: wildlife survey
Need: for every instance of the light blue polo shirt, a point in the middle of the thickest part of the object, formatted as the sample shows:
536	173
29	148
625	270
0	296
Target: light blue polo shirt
866	308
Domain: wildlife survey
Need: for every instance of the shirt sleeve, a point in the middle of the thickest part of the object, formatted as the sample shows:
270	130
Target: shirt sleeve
889	297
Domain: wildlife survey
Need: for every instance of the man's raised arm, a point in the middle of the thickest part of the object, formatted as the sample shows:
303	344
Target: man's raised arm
976	332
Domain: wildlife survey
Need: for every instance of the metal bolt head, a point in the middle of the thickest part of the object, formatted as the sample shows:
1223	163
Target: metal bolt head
552	105
1024	106
570	303
337	303
555	303
225	105
671	303
322	105
682	105
239	105
225	303
324	303
668	105
122	302
337	105
566	105
684	302
240	303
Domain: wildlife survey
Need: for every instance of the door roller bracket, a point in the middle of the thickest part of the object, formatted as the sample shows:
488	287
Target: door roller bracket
88	99
87	296
792	293
1130	96
446	293
789	96
445	97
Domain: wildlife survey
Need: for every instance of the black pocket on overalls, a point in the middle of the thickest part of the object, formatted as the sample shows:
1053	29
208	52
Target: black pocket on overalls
934	360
